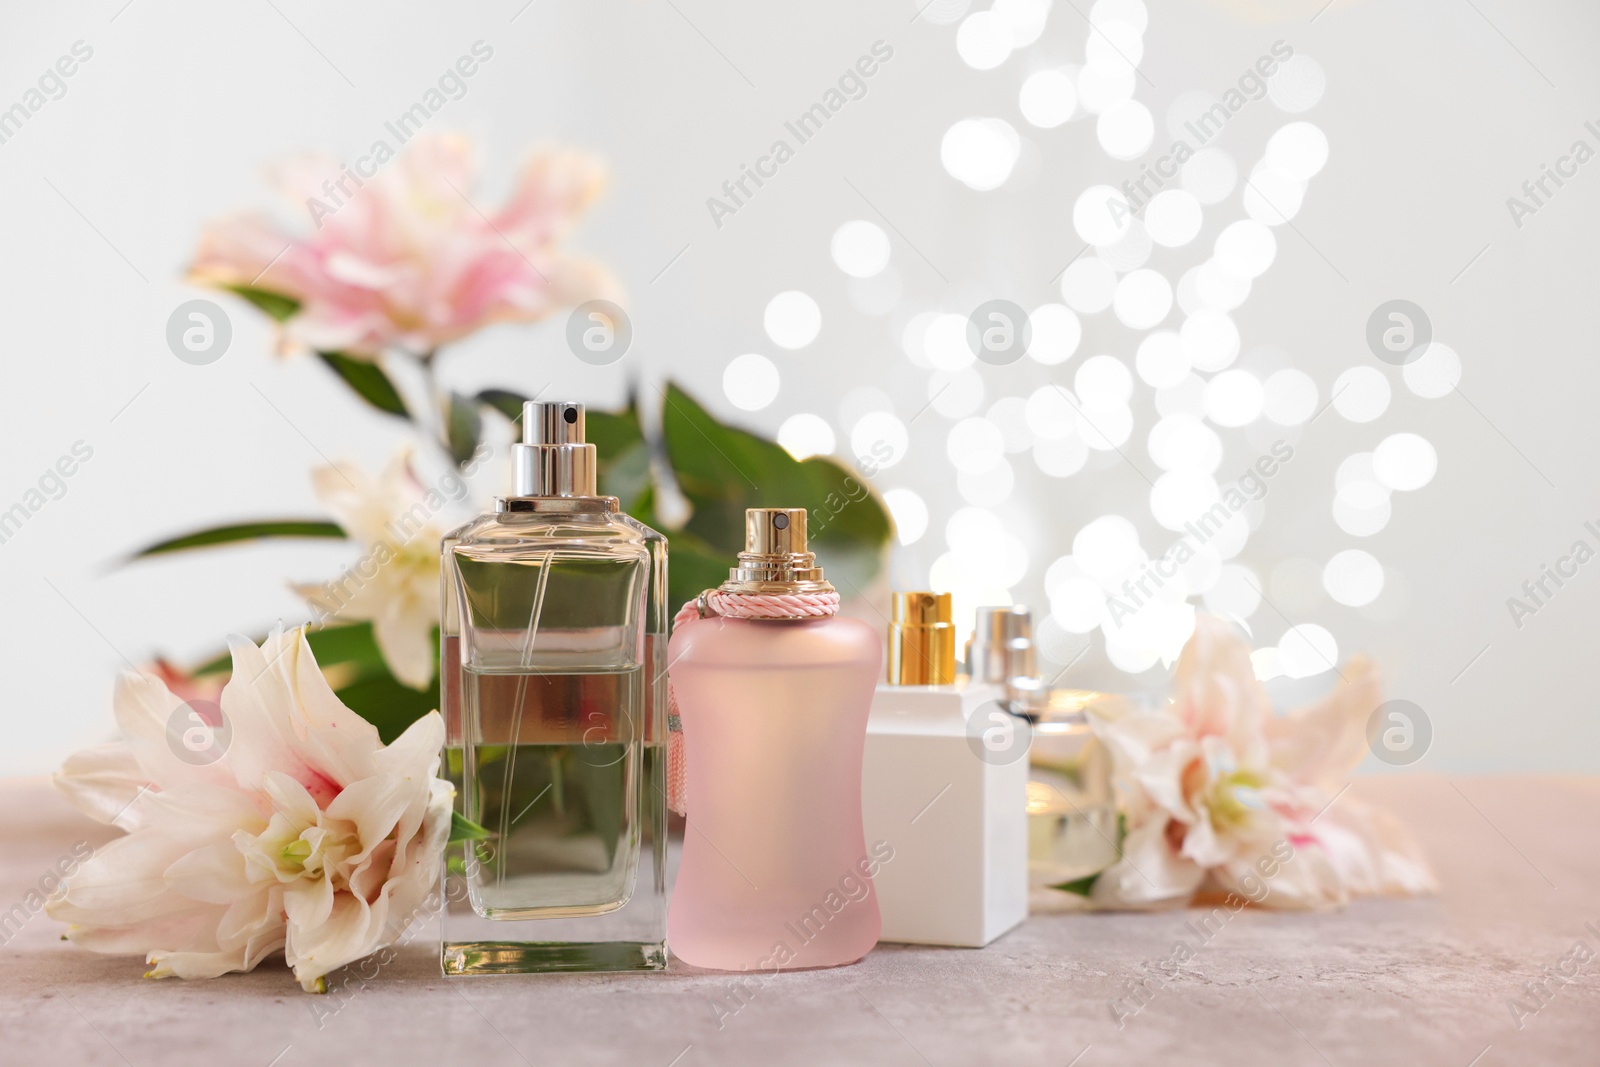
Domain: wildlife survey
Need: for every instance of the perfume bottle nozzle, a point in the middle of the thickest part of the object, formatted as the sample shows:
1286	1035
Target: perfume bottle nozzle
775	531
552	423
775	558
553	458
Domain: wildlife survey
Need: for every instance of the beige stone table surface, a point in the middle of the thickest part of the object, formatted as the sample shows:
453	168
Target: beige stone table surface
1382	982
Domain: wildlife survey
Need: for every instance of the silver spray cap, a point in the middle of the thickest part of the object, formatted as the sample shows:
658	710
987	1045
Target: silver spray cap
553	459
1001	652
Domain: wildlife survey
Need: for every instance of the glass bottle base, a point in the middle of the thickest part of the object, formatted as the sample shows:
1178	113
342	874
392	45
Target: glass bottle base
539	957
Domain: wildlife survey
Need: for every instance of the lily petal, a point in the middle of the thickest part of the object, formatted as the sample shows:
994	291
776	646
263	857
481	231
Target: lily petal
215	874
104	782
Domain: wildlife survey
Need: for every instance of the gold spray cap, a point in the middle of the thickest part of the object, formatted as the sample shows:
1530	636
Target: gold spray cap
922	639
775	559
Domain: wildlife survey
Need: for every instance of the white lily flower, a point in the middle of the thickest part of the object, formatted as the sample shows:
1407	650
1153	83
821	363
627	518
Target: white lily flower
305	834
395	583
1218	793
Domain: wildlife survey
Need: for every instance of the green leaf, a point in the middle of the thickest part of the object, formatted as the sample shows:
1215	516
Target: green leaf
1082	887
276	305
463	428
369	382
693	567
614	433
244	531
388	704
504	401
602	788
723	470
464	829
624	457
347	643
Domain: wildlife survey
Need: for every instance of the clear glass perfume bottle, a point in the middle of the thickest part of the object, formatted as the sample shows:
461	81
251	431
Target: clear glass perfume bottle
552	668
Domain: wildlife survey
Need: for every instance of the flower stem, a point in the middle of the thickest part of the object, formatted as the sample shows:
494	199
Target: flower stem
435	428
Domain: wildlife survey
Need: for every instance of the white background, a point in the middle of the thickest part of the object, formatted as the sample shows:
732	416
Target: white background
1435	113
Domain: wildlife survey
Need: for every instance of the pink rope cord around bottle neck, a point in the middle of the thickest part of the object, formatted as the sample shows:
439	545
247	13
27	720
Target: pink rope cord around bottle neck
732	606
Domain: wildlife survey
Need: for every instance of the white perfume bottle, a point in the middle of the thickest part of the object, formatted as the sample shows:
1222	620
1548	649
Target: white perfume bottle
945	782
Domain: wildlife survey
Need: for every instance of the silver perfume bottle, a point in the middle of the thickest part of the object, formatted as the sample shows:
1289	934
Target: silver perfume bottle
552	663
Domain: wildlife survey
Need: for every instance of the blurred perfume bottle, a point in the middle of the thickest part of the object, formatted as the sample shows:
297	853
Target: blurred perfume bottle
775	871
945	783
553	629
1071	811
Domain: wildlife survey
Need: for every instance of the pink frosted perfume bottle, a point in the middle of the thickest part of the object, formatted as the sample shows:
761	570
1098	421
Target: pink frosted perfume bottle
776	872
